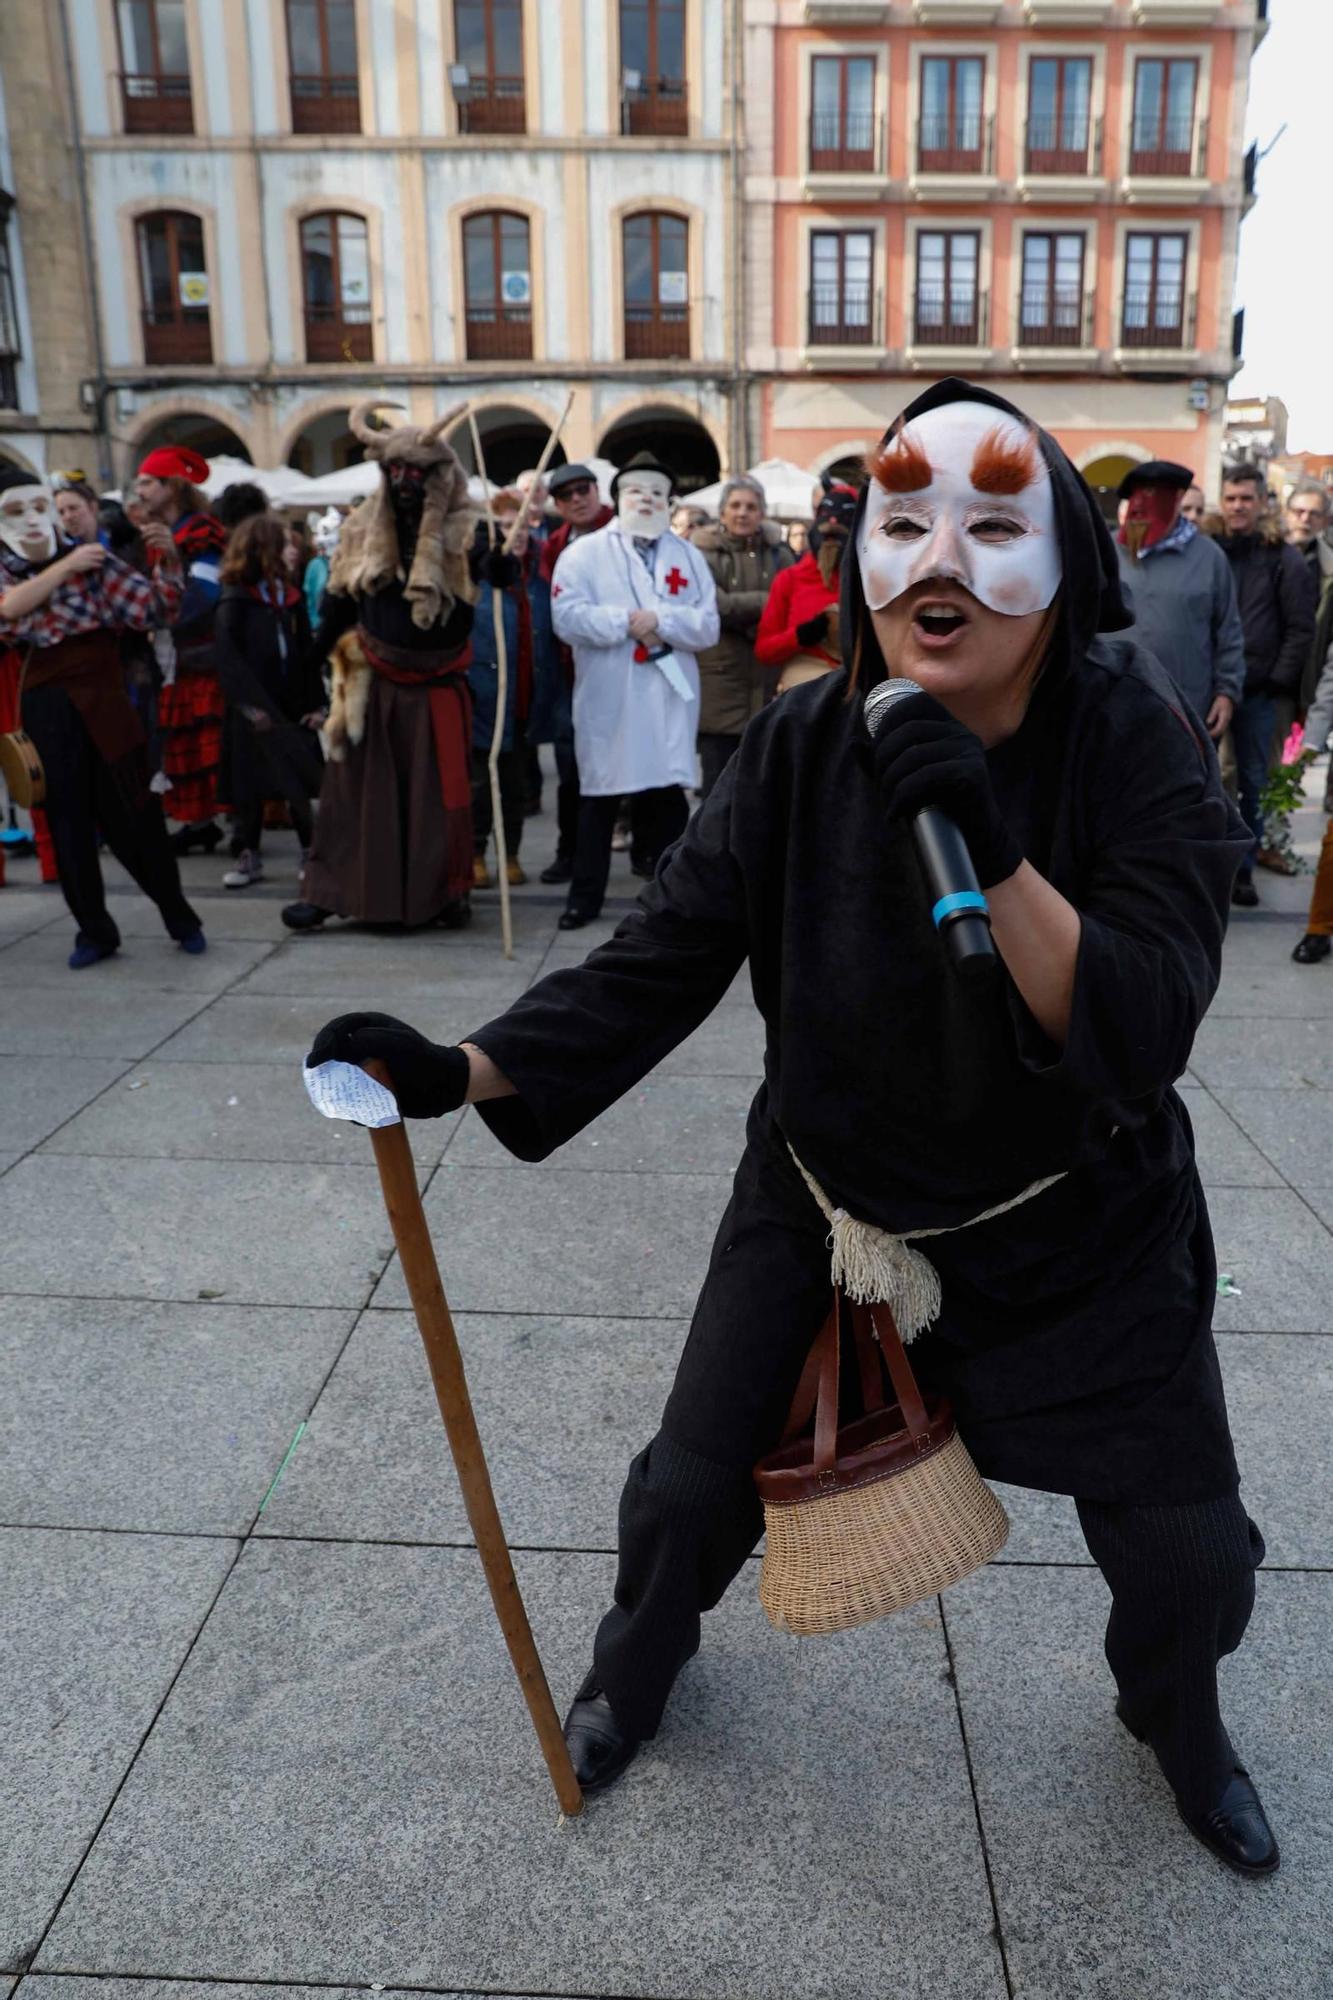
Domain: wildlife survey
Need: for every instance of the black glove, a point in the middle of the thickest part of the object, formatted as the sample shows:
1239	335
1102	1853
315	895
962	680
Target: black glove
502	570
428	1079
811	631
923	757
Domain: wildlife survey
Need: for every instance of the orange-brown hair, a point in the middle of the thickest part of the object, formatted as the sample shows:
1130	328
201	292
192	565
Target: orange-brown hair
1003	464
899	465
255	550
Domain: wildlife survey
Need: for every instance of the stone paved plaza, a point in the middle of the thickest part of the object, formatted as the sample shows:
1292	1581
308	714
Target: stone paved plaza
262	1734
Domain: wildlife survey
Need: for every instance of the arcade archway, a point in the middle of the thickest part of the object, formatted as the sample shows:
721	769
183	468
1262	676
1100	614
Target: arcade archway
201	432
325	445
512	441
680	441
1104	475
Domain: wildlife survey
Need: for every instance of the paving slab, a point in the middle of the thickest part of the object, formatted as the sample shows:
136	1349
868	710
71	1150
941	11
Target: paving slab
1254	1055
273	1028
376	972
167	1417
526	1240
7	1160
562	1404
348	1765
141	965
68	1021
1226	1156
1279	1390
71	1986
226	1111
39	1093
24	910
1294	1128
1273	989
92	1628
1281	1258
1102	1893
251	913
729	1043
176	1229
689	1124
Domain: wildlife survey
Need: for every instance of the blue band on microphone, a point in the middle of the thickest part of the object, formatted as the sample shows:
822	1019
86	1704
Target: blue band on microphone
964	899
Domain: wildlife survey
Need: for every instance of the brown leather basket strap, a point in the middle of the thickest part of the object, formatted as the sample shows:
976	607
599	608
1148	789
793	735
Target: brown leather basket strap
826	1410
868	1361
807	1389
900	1370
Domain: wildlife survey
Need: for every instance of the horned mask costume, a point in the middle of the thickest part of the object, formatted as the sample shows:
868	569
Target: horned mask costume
417	528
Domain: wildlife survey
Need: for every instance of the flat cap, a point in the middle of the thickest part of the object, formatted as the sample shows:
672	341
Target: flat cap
1156	472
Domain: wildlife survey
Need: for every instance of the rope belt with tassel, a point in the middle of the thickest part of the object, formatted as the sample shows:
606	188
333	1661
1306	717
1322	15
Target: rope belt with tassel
872	1266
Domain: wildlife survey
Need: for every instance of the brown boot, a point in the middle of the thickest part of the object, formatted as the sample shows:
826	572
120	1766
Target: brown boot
514	872
481	874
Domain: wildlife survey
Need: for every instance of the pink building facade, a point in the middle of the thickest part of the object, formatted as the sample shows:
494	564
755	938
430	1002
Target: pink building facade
1045	195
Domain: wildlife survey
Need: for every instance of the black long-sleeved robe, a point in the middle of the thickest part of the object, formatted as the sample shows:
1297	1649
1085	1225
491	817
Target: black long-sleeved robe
1075	1337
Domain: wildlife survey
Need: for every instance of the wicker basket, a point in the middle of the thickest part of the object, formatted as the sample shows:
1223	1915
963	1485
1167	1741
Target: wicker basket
871	1518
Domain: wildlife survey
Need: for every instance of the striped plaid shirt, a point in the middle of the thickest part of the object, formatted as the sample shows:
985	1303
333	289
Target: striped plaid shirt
115	598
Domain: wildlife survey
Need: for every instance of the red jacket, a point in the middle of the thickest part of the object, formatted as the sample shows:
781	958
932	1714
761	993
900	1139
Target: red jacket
797	594
554	545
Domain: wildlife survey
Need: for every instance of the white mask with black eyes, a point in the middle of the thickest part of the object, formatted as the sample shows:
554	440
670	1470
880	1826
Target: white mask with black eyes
28	522
963	495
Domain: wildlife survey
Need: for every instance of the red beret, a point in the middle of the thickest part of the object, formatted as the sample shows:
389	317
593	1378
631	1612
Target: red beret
175	461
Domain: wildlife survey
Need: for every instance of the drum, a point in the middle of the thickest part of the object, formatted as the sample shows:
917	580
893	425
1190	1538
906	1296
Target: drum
21	768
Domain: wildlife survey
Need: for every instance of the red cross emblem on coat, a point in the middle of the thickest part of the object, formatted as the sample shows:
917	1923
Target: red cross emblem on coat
674	580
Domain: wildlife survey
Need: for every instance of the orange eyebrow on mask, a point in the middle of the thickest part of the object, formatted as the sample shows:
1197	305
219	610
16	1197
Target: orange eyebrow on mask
1003	466
900	466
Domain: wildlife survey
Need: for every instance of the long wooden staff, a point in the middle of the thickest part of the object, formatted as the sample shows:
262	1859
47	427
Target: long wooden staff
502	660
402	1199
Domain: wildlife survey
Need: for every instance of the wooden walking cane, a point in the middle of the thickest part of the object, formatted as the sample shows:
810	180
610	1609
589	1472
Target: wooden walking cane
402	1199
502	660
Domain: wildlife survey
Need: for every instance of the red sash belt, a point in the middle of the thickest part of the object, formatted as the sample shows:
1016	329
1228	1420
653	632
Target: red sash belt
450	714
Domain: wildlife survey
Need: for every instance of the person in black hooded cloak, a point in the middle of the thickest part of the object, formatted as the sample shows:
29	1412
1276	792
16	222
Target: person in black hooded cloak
1074	1338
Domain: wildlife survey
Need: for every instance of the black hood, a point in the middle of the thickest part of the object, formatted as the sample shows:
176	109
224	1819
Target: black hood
1091	600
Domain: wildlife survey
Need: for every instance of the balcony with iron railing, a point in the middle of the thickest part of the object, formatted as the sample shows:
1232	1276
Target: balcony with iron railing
950	316
338	333
1158	316
1057	145
177	339
1177	150
657	107
326	104
657	333
495	334
493	104
846	142
963	144
846	315
1054	316
152	102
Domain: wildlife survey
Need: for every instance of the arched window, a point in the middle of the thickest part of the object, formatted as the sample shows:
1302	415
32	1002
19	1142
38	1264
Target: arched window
497	287
154	66
335	282
173	280
321	46
657	288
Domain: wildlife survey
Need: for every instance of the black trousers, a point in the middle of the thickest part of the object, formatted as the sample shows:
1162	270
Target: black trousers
715	753
567	798
657	818
512	771
86	795
1181	1577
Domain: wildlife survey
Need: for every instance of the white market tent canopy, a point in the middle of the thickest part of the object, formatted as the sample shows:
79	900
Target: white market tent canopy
788	489
284	485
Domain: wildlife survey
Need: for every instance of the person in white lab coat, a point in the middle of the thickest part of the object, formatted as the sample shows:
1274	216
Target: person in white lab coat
635	603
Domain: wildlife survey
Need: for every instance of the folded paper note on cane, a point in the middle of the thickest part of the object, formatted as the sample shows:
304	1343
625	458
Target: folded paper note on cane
343	1090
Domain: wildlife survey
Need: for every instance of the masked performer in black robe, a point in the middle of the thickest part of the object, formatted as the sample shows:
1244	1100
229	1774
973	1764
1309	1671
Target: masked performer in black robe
1074	1337
393	840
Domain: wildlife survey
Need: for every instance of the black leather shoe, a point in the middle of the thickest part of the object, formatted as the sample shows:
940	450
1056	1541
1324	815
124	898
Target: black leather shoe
559	871
599	1748
1244	895
1312	948
304	916
574	920
1236	1829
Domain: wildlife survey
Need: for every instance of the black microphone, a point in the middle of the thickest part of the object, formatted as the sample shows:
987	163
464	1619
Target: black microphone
959	908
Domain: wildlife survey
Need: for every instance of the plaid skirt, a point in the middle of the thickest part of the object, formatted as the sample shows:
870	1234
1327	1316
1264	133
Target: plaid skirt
190	714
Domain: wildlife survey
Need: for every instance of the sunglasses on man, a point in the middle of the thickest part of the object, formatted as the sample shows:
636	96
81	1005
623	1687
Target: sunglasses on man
580	489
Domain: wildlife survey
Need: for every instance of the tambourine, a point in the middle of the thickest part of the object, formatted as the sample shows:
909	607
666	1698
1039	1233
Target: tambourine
21	768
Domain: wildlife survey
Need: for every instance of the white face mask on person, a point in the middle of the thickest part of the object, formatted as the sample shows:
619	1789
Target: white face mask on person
28	522
643	504
961	495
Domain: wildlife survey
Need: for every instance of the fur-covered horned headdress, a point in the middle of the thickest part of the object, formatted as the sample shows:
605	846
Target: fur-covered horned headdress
368	555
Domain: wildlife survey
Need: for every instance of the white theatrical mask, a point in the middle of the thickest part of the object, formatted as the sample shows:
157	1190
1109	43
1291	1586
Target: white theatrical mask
28	522
643	504
997	538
